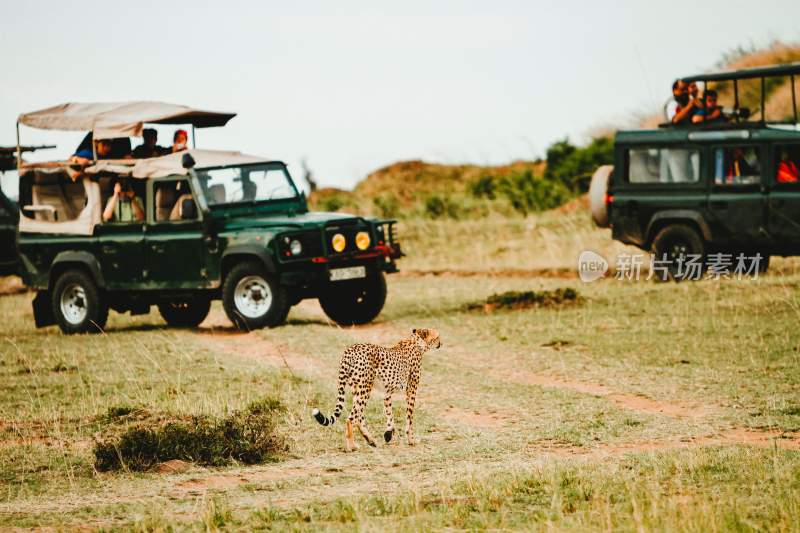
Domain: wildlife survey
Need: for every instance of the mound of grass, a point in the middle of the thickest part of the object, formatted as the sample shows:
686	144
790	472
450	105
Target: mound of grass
525	299
248	436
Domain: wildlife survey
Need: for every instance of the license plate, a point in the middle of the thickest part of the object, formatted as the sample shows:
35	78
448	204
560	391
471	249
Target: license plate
340	274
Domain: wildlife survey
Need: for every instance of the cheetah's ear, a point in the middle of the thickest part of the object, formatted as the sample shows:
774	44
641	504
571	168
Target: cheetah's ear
414	331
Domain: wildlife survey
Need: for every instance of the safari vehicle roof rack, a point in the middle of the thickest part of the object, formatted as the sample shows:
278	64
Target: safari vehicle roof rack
791	70
109	120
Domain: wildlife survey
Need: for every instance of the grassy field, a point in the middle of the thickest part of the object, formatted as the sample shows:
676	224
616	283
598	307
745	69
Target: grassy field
645	406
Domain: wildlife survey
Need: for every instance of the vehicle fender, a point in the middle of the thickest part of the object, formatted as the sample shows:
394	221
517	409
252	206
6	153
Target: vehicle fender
597	195
249	249
84	259
677	216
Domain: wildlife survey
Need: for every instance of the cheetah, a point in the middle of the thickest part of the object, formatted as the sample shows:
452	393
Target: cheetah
398	368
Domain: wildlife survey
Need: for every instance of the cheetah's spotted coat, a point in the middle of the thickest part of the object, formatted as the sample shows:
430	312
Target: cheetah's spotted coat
398	368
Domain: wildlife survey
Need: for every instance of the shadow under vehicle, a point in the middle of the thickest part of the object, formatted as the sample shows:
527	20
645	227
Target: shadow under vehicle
724	189
218	225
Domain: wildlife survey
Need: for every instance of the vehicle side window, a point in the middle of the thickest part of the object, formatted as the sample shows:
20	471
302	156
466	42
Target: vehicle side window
737	165
787	164
174	202
663	165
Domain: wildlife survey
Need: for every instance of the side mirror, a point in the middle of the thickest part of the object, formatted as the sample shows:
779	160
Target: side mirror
188	210
187	161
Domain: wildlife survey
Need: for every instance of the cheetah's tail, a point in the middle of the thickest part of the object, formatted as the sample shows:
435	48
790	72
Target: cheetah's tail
328	420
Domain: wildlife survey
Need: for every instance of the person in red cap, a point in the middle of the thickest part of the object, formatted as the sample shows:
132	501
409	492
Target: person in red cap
179	141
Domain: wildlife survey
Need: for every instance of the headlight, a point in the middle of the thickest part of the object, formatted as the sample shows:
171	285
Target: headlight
362	240
295	247
338	242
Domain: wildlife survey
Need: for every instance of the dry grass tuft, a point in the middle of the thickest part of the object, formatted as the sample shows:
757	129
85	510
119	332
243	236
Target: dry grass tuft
247	436
516	300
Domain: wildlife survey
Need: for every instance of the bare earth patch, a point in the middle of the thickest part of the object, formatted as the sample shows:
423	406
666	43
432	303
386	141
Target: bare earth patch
482	419
742	436
633	402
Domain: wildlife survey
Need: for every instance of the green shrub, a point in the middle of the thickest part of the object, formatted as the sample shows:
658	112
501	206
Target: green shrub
247	436
436	206
332	203
386	205
573	166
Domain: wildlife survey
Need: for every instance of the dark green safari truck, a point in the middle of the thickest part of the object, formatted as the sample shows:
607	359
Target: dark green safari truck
218	225
729	187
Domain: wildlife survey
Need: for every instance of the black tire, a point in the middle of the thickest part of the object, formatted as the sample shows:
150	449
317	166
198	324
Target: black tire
188	313
673	242
354	302
252	280
78	304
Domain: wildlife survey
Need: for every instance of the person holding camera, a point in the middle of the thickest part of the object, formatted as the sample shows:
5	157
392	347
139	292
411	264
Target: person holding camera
124	205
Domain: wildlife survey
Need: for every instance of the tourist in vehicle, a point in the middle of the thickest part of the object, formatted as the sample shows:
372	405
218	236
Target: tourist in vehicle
179	141
150	147
710	112
681	108
787	169
124	205
738	166
85	156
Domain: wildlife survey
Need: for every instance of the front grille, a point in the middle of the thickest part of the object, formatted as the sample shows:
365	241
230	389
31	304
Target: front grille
349	230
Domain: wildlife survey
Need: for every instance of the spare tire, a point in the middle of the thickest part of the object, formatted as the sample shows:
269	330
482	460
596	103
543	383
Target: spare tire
597	195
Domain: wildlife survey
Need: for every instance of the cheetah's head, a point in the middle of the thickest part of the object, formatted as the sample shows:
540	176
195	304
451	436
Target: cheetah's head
430	336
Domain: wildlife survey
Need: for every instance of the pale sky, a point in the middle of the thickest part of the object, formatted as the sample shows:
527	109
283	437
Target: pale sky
353	86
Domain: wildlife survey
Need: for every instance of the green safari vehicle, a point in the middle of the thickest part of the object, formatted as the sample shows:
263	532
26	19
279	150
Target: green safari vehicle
729	188
217	225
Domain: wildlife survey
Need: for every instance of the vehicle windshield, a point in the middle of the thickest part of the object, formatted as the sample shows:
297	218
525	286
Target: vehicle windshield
246	184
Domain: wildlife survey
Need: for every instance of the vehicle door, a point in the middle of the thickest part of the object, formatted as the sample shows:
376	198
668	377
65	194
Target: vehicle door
119	246
656	179
175	256
784	199
736	199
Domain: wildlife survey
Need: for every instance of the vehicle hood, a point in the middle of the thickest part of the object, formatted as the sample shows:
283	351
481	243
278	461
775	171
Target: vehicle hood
285	221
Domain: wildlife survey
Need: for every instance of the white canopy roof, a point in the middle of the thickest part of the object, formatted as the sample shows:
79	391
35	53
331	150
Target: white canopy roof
120	119
172	164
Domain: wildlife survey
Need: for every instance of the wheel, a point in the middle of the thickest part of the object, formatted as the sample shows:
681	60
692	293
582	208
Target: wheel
678	248
354	302
186	313
78	305
252	298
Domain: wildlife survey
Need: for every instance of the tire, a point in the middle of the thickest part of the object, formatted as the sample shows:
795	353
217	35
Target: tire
188	313
354	302
252	298
674	241
597	195
78	305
